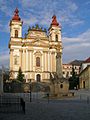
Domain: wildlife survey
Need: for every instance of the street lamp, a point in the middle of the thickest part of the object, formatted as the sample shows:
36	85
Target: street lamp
30	92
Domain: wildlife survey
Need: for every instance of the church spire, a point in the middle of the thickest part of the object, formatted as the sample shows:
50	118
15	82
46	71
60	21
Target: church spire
54	21
16	15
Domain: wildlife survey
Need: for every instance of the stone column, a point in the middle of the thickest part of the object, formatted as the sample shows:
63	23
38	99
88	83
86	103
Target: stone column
26	60
59	65
1	82
20	58
23	60
11	59
30	60
43	61
48	62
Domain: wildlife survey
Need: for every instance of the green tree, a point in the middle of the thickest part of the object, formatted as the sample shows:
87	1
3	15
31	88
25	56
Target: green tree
74	80
20	76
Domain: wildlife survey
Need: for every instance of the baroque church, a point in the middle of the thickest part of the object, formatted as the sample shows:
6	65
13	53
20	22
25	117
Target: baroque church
36	53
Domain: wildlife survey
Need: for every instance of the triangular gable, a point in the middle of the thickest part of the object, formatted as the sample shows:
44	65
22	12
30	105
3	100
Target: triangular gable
39	42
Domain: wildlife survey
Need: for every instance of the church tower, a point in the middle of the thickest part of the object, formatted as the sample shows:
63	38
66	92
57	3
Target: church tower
56	43
55	30
16	25
15	43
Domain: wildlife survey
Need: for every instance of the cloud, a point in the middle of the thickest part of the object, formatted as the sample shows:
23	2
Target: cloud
4	28
6	7
78	47
71	6
30	21
87	3
4	57
42	11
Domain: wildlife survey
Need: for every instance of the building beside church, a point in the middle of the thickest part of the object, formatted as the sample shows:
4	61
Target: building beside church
67	68
36	53
84	76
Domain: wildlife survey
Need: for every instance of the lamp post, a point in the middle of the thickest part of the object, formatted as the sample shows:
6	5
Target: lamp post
30	92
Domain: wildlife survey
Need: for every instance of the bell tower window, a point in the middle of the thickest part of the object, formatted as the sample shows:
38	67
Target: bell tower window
16	33
56	38
38	61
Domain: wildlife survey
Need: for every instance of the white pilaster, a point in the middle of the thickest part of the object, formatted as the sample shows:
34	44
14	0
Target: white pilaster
26	60
45	62
11	60
42	62
48	61
51	61
33	61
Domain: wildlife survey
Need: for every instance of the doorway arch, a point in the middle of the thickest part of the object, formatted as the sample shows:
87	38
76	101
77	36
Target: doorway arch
83	84
38	77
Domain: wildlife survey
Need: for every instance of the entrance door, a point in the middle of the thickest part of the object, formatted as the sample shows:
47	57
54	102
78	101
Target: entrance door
83	84
38	77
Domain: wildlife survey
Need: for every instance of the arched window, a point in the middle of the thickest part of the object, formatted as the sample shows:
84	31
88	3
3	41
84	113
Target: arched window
56	38
38	77
16	33
38	61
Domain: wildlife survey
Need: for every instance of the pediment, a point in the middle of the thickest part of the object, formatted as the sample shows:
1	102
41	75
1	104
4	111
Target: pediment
39	42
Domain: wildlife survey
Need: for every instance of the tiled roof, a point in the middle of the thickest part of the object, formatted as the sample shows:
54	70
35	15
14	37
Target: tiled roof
87	60
16	15
76	62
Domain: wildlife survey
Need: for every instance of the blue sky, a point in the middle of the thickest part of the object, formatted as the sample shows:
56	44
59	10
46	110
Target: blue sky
73	15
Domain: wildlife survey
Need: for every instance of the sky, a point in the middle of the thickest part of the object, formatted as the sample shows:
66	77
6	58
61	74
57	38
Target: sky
72	15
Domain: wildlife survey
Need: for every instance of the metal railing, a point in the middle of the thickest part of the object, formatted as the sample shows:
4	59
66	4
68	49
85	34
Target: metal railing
10	104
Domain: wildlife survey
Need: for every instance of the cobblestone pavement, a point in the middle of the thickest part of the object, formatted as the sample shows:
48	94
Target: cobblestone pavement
54	110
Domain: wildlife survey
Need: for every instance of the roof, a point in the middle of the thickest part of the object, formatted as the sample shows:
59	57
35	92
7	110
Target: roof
16	15
88	66
87	60
76	62
54	21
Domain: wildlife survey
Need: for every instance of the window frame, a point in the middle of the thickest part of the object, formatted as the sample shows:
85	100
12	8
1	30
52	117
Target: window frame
16	33
38	61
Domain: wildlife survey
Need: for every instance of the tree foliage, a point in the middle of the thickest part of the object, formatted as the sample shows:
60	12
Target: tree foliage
74	80
20	76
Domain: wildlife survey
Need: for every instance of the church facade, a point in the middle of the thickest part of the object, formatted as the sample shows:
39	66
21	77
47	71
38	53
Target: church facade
36	53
